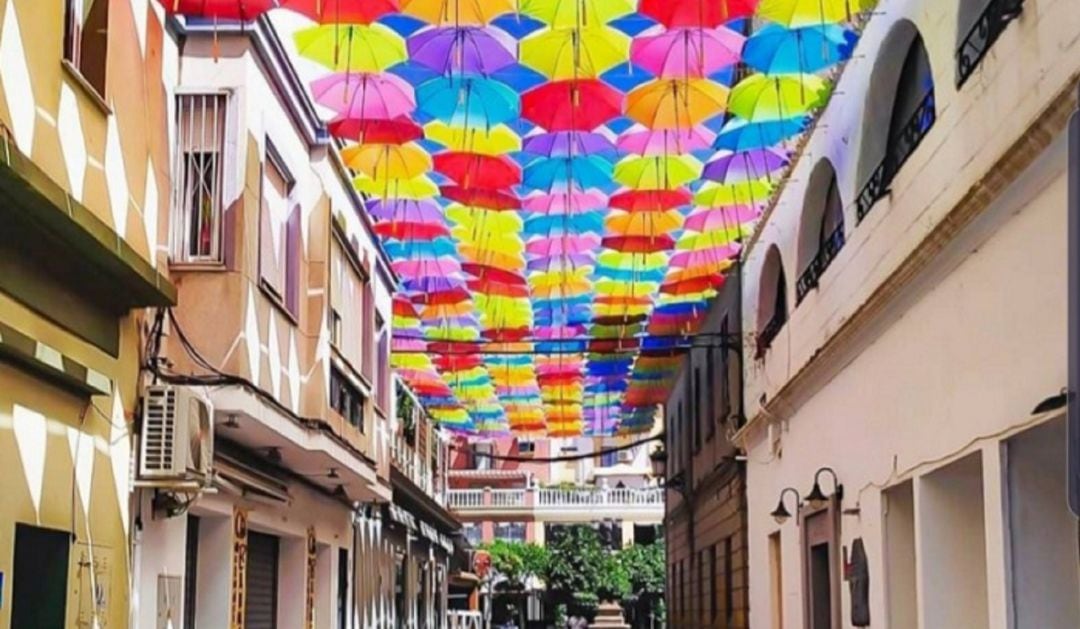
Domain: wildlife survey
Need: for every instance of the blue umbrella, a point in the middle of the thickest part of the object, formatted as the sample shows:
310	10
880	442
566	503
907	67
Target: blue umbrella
412	249
565	223
587	171
468	100
739	135
778	50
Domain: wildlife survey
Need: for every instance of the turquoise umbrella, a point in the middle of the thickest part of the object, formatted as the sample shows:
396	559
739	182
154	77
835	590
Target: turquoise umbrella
468	100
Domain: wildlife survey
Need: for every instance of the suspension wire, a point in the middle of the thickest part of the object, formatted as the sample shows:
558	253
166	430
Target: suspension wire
558	459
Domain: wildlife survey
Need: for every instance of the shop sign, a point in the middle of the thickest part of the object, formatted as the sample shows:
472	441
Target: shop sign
309	613
239	567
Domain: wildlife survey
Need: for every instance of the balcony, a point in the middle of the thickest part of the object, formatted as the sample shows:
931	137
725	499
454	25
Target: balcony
406	460
808	281
986	30
580	504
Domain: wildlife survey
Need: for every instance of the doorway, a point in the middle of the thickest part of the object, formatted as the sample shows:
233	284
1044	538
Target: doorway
40	577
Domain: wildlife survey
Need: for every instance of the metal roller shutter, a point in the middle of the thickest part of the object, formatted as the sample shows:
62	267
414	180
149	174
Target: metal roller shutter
262	579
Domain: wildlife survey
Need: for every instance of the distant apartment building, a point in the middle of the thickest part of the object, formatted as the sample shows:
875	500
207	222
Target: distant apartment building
508	488
84	195
906	297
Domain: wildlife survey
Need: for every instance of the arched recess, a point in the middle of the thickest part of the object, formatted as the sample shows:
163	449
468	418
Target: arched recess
979	23
772	311
900	110
821	228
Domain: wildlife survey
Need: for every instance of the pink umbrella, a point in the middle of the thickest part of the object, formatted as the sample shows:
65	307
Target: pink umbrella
569	244
365	96
567	202
707	219
687	52
560	332
426	267
699	257
644	141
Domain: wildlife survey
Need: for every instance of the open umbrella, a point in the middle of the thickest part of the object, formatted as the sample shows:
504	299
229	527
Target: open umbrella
576	104
402	230
387	161
415	188
405	210
364	95
761	97
666	172
793	13
676	103
745	165
244	10
696	13
566	13
471	49
705	255
687	52
342	11
571	53
375	131
714	194
351	47
708	219
457	12
476	169
587	171
563	244
774	49
639	244
495	140
643	200
481	197
468	101
741	135
564	202
643	224
644	141
567	143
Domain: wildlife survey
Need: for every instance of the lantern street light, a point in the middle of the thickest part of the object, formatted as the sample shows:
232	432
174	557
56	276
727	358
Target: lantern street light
780	513
817	499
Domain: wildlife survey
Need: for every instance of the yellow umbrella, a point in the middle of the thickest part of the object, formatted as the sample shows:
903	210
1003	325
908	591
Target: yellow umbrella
414	188
676	103
560	276
457	12
388	161
497	140
714	194
567	53
472	253
486	240
352	47
659	172
708	240
560	13
467	216
795	13
644	223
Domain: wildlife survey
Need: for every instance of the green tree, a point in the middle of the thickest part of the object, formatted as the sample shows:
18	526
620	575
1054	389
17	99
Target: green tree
645	564
581	573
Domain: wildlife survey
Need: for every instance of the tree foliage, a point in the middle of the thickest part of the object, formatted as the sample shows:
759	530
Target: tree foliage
516	562
581	573
645	565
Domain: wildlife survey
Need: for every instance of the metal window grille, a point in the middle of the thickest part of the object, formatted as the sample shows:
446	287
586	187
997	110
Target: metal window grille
200	147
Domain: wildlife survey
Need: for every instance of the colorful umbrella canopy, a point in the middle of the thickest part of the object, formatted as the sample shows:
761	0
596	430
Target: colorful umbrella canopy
245	10
534	169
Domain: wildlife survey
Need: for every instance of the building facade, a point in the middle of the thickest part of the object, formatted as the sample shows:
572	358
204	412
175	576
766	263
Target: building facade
907	298
84	176
508	489
280	337
705	517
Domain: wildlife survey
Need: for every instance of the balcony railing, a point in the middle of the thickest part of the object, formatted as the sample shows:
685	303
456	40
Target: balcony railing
460	619
808	281
409	462
900	149
769	332
986	30
556	499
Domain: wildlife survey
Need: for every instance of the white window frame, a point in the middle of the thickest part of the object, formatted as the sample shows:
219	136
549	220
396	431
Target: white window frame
180	228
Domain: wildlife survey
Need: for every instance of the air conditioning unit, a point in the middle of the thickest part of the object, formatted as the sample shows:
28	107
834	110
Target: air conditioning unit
626	456
177	442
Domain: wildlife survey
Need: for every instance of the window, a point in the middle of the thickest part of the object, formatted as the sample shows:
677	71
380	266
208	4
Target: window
191	570
980	23
697	410
776	586
890	142
729	582
382	373
473	533
343	588
679	445
368	331
279	235
86	39
725	372
346	399
713	583
710	391
481	460
609	458
510	531
526	447
201	123
701	585
821	235
348	312
772	301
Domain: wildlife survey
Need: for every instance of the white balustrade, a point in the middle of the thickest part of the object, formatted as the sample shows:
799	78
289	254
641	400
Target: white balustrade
557	498
460	619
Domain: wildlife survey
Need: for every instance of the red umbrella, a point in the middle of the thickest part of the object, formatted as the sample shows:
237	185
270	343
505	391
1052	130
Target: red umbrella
613	345
507	335
343	11
373	131
494	274
620	319
403	308
574	104
696	13
695	285
490	287
639	244
480	171
643	200
451	296
481	197
245	10
403	230
457	362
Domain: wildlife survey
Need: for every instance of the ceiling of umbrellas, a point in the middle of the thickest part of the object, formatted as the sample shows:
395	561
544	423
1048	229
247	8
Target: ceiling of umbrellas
560	184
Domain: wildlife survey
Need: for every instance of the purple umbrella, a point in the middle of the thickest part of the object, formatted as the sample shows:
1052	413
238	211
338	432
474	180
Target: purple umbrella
565	143
575	260
432	284
745	166
425	211
471	49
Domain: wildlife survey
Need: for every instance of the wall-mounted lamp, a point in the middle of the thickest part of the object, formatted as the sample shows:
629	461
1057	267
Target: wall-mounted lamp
658	461
780	513
817	499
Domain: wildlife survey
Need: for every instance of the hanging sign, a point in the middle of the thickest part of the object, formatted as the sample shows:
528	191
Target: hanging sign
309	610
239	567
